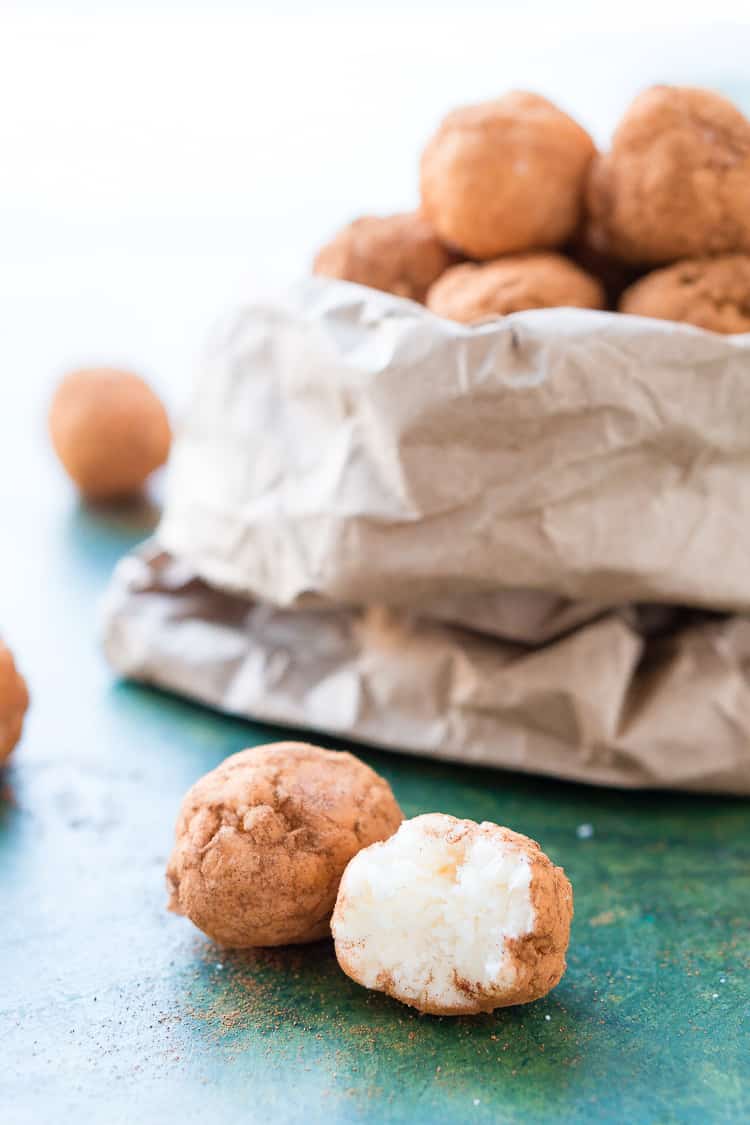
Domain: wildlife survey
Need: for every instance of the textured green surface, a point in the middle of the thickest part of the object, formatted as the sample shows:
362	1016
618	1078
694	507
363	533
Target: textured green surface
115	1011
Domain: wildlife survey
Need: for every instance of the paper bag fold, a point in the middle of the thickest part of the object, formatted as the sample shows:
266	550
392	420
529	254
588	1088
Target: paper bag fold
604	704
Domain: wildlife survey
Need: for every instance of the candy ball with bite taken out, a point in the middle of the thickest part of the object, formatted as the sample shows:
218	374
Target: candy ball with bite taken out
454	917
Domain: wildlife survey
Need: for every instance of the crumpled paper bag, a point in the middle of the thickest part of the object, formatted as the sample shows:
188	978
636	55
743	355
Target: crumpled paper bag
514	544
348	444
603	704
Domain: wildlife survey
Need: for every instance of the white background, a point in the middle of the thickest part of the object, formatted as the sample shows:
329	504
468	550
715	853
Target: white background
158	159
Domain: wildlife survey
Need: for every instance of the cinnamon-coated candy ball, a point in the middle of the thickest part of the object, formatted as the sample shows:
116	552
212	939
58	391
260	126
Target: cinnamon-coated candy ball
505	176
470	293
676	183
109	430
262	841
396	253
711	293
14	700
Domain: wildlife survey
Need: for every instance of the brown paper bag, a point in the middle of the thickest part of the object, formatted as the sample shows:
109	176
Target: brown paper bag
552	506
348	444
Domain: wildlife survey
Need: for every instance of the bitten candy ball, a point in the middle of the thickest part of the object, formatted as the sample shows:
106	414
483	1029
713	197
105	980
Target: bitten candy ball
14	700
676	183
454	917
109	430
711	293
470	293
396	253
262	841
505	176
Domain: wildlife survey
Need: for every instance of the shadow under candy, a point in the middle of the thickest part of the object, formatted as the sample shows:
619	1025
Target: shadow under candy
99	534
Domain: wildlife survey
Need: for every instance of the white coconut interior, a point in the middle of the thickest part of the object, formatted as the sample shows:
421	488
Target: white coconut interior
426	910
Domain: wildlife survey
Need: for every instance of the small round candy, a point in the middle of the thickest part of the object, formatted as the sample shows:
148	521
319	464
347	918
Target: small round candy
109	430
14	700
711	293
676	183
472	292
396	253
261	842
505	176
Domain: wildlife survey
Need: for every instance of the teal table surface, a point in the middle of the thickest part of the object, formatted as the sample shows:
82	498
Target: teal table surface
114	1010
